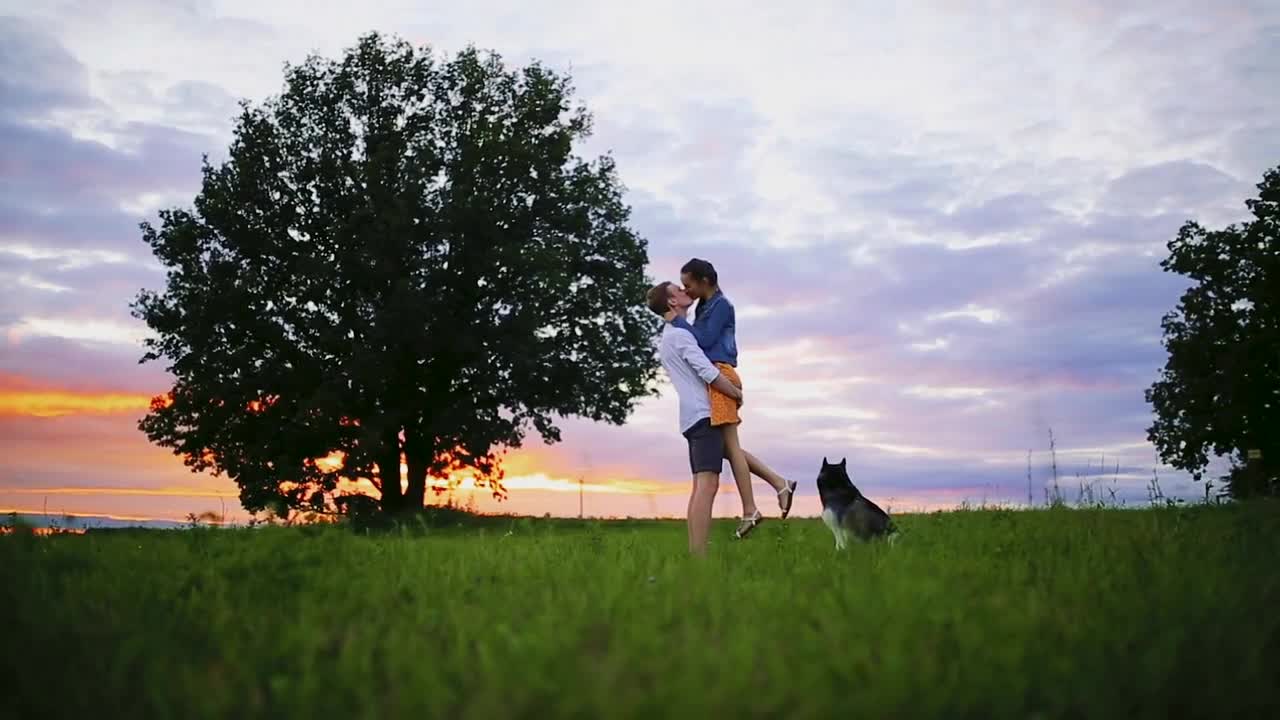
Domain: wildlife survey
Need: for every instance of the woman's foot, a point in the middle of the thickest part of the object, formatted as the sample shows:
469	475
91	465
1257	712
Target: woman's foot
747	524
785	496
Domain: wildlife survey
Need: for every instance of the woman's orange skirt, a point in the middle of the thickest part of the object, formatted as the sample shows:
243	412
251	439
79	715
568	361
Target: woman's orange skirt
724	409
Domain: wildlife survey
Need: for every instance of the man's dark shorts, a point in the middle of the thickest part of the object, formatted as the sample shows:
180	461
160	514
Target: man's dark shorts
706	447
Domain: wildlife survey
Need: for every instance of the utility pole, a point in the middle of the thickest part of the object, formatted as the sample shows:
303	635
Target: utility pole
582	476
1030	500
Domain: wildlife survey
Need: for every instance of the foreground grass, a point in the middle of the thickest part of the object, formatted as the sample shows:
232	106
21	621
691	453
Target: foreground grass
1072	613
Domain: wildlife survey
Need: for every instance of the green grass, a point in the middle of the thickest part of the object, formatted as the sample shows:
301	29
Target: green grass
1052	613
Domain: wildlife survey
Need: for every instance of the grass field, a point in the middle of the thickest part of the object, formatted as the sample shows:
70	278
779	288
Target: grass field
1053	613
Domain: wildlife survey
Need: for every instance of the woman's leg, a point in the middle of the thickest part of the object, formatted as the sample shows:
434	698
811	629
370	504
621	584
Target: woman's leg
736	456
764	472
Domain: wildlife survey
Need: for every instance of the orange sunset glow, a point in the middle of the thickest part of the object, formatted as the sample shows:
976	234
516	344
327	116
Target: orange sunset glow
106	467
19	397
164	488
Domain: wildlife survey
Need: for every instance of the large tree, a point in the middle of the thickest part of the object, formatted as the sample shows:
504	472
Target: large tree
1219	392
402	259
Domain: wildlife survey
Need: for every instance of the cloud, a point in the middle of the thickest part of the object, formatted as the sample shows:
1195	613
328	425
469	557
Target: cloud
71	256
68	296
70	193
37	74
184	104
63	174
1176	186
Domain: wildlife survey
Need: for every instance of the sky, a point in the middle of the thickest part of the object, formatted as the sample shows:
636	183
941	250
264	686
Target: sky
940	223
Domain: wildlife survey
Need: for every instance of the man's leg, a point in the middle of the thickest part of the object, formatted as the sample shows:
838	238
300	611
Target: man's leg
736	456
701	502
706	460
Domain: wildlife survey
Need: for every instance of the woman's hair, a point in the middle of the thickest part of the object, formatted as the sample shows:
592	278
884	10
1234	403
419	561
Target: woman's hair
701	270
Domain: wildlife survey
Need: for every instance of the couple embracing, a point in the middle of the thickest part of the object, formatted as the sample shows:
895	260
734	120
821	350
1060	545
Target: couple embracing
700	358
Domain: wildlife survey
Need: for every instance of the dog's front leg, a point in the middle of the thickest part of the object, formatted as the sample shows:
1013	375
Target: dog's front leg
833	524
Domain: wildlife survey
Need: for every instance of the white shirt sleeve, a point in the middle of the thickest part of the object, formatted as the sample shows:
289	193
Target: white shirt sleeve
687	346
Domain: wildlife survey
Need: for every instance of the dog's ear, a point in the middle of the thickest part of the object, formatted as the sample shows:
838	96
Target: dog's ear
824	461
842	461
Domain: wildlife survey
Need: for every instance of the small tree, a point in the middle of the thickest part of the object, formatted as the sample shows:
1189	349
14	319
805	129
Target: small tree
402	260
1219	392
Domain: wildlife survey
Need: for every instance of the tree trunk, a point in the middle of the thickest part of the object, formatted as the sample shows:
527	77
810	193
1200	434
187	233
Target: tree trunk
417	457
389	473
415	493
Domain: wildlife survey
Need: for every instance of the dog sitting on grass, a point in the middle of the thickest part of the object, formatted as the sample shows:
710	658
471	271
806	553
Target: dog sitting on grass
848	512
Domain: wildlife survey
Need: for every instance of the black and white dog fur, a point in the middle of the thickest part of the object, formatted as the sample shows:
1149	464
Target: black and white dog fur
848	512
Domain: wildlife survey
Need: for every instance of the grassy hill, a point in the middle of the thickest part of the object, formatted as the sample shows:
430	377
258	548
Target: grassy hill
1050	613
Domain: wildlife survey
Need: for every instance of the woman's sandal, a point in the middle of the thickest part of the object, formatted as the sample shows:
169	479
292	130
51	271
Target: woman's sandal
747	524
790	490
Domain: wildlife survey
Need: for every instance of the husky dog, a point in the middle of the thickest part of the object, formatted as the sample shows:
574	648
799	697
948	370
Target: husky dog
848	512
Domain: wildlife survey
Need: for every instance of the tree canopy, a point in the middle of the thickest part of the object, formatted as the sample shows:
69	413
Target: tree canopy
1219	392
401	260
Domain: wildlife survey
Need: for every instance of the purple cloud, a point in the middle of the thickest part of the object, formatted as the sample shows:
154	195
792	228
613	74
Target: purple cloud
37	74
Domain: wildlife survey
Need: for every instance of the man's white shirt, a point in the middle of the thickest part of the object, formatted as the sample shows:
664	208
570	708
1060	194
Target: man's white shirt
690	372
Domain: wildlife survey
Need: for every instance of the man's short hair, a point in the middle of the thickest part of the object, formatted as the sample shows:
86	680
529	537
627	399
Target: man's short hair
701	270
659	298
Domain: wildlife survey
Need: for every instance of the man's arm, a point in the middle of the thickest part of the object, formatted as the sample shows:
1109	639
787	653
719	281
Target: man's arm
697	359
712	327
723	384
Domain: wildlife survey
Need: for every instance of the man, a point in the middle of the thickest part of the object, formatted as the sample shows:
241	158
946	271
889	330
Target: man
691	373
